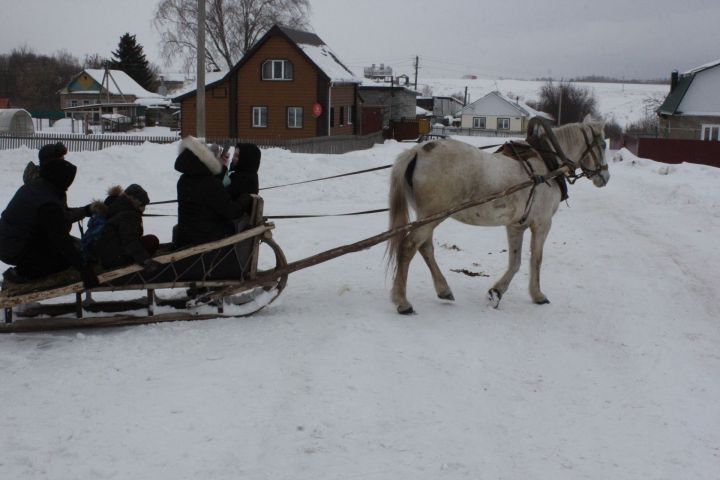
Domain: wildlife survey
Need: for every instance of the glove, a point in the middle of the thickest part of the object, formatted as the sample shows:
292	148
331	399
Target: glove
151	267
89	278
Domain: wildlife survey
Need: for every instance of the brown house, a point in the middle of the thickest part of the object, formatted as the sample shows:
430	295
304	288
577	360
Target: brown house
290	85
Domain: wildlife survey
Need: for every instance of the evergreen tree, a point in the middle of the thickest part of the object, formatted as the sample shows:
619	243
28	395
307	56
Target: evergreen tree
130	58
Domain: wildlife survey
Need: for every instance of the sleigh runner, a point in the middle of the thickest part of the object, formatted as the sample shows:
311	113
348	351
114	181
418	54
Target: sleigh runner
214	275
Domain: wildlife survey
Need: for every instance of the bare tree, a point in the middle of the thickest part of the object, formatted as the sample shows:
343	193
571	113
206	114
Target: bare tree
567	102
232	26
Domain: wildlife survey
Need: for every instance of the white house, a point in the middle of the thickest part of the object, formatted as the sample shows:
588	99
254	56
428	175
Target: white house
692	108
498	112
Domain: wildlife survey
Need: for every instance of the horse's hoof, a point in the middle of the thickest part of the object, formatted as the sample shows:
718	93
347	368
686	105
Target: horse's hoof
494	297
544	301
447	296
406	311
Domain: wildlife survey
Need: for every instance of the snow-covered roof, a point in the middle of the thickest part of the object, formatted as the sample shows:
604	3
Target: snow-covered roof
422	112
191	86
703	67
123	81
521	107
328	62
320	54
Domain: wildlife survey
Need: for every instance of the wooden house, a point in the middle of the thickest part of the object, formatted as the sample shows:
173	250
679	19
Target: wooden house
109	98
289	85
691	111
499	113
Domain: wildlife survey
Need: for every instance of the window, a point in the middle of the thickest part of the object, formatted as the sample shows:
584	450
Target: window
295	117
277	70
342	116
503	124
710	132
259	117
86	102
351	113
332	117
73	103
478	122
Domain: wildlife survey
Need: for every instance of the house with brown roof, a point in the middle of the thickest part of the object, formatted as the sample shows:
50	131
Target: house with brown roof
289	85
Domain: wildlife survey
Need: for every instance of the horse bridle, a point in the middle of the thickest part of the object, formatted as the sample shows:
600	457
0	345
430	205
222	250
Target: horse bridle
594	143
594	146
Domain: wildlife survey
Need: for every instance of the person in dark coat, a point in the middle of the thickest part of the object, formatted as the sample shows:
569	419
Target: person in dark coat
205	210
35	226
244	175
122	241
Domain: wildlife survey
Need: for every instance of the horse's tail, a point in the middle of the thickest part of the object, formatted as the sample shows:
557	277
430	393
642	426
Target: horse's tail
399	199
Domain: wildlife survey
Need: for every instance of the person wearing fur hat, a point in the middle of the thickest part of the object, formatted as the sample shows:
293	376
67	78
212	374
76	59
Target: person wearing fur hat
121	240
205	210
35	226
244	174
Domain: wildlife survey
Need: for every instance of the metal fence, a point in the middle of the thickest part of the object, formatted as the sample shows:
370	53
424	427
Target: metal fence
78	142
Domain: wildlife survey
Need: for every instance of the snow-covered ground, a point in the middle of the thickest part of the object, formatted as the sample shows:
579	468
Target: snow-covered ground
616	379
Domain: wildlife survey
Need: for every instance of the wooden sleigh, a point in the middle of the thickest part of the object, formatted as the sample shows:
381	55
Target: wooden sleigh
220	279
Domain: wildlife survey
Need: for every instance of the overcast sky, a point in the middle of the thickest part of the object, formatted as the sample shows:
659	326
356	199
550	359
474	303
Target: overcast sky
489	38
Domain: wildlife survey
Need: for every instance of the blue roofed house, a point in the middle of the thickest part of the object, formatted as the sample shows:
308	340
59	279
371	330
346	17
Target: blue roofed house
499	114
691	110
111	100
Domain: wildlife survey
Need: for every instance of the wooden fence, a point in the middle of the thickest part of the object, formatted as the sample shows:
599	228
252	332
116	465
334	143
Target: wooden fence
78	142
473	132
338	144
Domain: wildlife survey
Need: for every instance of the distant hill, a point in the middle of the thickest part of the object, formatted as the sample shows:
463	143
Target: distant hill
623	102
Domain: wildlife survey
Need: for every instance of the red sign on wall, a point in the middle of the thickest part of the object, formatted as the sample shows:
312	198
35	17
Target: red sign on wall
317	109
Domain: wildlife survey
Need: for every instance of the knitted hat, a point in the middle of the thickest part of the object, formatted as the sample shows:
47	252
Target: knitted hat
138	193
52	151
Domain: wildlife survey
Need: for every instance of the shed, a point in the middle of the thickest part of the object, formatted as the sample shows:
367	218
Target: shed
16	121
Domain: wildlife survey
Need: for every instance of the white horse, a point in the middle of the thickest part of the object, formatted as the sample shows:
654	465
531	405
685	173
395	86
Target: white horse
438	175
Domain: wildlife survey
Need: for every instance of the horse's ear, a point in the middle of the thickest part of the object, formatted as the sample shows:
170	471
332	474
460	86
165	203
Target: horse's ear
588	118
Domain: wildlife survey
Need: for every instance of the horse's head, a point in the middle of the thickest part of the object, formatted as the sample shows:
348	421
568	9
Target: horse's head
592	161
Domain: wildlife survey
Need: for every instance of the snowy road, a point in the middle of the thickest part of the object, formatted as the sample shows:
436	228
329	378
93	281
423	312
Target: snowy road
616	378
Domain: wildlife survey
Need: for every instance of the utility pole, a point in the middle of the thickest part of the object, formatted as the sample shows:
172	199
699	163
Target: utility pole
200	92
417	64
465	99
560	105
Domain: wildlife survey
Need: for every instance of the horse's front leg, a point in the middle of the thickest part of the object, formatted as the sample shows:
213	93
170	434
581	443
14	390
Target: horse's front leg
427	250
539	235
515	235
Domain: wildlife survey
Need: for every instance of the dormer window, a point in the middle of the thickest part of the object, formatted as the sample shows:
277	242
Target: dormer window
277	70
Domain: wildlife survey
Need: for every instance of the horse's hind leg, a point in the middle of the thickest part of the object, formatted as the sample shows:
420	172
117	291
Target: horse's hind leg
408	249
427	250
539	234
515	235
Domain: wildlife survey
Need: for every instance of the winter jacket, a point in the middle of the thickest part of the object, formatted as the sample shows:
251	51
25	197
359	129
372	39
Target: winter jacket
205	209
37	219
244	177
119	243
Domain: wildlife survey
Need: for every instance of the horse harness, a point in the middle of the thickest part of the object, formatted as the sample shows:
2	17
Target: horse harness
548	149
